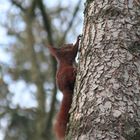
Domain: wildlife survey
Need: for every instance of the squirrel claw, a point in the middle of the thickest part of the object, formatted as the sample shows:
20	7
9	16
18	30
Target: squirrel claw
79	36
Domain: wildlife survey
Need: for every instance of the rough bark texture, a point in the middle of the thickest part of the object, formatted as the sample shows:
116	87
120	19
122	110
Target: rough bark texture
106	103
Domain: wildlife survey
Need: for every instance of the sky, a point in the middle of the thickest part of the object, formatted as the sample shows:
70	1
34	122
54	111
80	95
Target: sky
20	87
6	58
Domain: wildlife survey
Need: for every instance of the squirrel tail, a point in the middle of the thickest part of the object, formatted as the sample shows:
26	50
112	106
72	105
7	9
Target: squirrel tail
63	115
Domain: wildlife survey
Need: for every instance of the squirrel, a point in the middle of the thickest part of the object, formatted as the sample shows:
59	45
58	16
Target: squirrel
65	78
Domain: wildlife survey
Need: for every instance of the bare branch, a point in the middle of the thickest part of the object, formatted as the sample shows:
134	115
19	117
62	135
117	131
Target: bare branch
29	9
18	5
47	21
32	8
72	20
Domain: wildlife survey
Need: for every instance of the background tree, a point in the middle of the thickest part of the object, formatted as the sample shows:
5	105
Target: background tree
32	25
106	102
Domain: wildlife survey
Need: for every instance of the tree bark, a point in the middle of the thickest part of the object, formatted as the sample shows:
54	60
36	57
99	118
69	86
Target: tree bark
106	102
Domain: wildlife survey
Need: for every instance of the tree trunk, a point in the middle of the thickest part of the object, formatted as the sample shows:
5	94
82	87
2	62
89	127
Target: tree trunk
38	80
106	103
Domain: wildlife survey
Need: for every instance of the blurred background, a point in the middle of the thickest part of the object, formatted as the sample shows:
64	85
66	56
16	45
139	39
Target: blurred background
29	98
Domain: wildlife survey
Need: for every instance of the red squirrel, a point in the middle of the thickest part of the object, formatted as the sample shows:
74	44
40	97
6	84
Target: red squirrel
65	78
